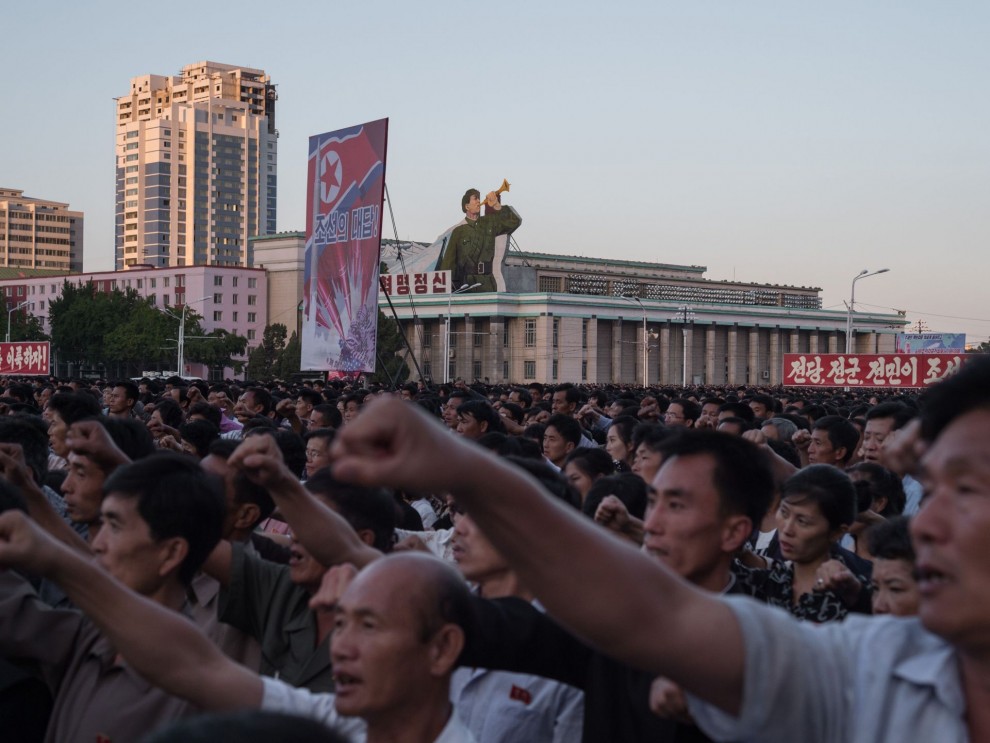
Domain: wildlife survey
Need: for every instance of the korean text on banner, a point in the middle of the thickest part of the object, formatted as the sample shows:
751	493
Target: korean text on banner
346	182
897	371
28	358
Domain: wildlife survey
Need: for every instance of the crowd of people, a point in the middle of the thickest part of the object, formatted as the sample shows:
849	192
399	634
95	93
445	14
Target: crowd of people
327	561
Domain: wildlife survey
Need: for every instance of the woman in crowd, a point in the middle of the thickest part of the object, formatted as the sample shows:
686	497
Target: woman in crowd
895	590
814	581
619	442
585	465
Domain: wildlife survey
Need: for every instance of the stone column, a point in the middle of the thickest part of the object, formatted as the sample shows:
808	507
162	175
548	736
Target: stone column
753	377
590	354
710	355
665	353
775	358
687	371
732	374
617	351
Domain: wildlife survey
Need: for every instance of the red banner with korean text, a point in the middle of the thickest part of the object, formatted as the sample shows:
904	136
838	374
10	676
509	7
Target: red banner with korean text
345	190
415	284
897	371
24	357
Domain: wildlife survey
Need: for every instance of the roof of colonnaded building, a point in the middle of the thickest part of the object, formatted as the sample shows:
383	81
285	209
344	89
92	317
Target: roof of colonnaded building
612	263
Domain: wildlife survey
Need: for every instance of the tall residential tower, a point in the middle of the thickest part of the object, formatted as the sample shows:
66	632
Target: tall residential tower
197	159
36	233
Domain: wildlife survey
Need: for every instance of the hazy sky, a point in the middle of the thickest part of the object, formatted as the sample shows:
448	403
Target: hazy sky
791	143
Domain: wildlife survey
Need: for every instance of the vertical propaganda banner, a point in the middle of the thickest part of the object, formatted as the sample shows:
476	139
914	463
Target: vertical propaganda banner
346	183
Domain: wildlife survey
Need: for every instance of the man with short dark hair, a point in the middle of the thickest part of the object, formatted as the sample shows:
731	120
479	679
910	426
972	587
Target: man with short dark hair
832	440
682	412
881	421
325	415
272	602
566	400
318	442
398	634
736	410
470	250
521	397
296	411
561	437
475	418
163	517
123	398
449	410
710	493
708	417
753	672
763	406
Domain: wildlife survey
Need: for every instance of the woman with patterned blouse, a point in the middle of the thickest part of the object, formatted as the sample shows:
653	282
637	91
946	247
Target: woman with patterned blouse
815	580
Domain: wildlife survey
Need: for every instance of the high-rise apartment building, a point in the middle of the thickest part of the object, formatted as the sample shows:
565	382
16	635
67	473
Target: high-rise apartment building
35	233
197	158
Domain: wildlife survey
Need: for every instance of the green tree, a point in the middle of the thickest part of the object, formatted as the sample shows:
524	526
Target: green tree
291	357
388	348
140	341
216	349
24	327
127	333
264	361
83	317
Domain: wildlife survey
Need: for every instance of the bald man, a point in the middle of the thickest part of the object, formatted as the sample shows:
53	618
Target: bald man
396	642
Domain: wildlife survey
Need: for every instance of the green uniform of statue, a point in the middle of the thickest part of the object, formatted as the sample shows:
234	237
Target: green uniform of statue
470	251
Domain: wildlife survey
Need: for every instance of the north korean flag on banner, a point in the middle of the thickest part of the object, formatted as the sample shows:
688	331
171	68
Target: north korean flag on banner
346	181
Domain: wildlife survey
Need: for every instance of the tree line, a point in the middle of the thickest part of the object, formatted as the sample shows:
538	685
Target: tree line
122	334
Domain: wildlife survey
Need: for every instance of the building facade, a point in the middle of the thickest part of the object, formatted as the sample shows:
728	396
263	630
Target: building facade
597	321
39	234
566	318
281	256
196	166
234	299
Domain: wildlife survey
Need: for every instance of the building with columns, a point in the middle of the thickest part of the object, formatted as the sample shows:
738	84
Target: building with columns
590	320
565	318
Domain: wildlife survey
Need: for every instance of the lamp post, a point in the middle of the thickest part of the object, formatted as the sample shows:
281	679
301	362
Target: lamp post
685	314
646	341
182	334
10	312
864	274
446	345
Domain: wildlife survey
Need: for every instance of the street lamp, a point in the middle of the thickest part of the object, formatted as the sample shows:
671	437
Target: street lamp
864	274
646	340
182	334
686	314
446	345
10	312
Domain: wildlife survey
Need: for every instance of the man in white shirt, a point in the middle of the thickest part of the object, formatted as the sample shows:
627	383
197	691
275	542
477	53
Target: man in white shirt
395	644
756	673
